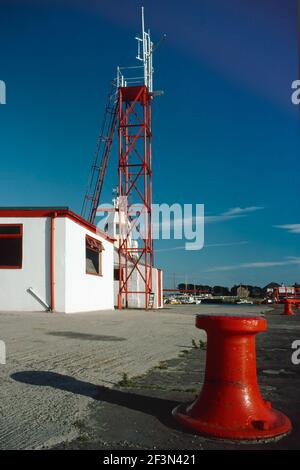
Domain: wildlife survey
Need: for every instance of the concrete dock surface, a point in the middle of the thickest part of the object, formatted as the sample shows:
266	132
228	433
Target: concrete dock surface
110	379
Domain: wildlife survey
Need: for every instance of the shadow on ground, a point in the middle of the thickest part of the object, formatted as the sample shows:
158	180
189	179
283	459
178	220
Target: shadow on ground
154	406
87	336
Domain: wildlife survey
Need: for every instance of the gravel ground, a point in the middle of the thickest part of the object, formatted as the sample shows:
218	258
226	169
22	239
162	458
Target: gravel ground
56	363
137	414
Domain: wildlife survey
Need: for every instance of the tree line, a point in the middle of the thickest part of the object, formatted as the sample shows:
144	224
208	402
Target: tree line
254	291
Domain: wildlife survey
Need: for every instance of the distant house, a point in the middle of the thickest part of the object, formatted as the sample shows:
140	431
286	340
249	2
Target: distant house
242	292
271	286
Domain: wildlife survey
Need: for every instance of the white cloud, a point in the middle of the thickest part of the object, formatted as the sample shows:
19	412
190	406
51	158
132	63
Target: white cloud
291	228
242	210
230	214
208	245
292	260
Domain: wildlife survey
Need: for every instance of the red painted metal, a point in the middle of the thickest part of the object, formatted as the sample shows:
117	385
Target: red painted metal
159	288
288	306
135	187
281	296
293	301
30	212
230	404
288	310
52	273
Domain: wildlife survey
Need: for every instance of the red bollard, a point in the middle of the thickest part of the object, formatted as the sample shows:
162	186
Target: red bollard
230	405
288	310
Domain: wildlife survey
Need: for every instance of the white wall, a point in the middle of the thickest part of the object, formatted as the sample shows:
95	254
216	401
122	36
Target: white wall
83	292
136	283
60	239
35	271
74	290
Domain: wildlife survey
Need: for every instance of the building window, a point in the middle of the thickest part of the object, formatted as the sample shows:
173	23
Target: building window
11	246
116	274
93	256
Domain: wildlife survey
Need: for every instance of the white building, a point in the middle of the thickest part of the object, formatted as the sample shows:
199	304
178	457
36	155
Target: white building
52	259
136	282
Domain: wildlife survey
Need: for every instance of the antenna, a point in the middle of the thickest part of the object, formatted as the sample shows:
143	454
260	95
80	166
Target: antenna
145	51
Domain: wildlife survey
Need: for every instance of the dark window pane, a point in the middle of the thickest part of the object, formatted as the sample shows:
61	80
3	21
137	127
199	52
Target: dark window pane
10	229
92	262
116	274
11	252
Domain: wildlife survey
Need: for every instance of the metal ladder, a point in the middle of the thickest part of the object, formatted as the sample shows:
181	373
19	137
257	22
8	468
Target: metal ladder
101	158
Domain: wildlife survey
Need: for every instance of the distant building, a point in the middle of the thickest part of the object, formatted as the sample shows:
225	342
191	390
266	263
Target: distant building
270	287
242	292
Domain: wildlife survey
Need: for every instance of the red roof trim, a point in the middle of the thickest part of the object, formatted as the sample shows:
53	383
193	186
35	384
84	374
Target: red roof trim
57	213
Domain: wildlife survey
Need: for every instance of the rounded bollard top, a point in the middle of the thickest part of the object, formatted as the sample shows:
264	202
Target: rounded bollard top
236	323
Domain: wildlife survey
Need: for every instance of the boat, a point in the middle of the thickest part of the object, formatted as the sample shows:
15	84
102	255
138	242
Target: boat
244	302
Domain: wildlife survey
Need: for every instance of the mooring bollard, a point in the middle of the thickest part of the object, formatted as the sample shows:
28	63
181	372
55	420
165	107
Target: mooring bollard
288	309
230	405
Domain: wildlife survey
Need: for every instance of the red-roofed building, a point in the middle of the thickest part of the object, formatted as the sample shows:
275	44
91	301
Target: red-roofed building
52	259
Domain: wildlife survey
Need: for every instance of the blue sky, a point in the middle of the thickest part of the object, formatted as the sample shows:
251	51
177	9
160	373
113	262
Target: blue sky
225	133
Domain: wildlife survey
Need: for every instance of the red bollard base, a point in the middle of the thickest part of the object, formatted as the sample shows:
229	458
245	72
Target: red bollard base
288	309
230	405
274	424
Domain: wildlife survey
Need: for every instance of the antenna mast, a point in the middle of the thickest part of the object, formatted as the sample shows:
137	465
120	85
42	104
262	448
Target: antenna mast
145	50
135	96
145	55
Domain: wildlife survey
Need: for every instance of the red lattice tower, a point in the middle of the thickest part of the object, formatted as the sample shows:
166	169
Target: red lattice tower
129	110
135	190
